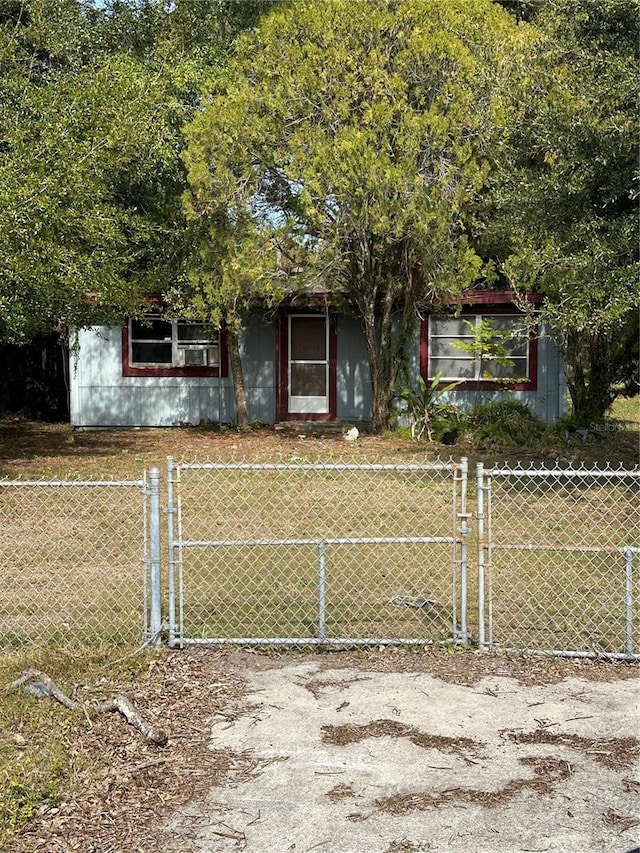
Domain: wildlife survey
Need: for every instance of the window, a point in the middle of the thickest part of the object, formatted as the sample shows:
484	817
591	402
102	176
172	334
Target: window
488	348
155	346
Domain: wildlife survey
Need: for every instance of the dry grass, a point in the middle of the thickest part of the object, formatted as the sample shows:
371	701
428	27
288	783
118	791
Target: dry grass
276	592
33	449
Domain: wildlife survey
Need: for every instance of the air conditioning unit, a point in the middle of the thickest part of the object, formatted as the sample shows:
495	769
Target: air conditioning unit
192	357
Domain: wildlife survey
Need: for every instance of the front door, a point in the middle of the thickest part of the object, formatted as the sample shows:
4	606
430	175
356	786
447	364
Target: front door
308	369
308	364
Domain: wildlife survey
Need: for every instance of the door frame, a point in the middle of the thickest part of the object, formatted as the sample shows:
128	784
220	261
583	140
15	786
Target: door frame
282	362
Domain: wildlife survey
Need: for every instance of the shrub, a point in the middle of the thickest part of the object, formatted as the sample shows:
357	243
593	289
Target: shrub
423	405
504	424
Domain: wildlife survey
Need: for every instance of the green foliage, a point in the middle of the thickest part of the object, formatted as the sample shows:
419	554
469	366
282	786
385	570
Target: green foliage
504	424
563	213
349	138
487	344
450	424
19	801
92	106
425	404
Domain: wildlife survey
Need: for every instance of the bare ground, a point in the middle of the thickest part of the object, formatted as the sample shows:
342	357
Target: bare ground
145	798
31	449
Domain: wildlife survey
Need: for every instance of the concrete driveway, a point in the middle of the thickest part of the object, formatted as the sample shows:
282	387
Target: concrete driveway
347	760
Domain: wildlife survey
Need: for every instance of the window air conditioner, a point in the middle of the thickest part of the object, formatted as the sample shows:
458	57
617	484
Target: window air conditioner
192	356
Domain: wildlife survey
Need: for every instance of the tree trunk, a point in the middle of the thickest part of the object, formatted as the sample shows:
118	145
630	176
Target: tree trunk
379	411
590	376
237	375
383	362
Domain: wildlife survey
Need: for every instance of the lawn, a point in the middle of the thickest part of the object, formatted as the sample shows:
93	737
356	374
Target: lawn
74	568
36	450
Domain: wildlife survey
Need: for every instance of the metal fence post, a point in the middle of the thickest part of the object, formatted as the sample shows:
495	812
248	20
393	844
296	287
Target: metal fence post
154	556
322	630
481	547
171	554
488	562
463	538
628	600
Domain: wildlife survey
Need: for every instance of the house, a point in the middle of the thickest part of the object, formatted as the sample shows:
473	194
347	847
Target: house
300	364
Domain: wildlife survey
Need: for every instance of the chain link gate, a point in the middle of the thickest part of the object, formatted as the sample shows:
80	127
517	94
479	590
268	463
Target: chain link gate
558	561
313	554
341	553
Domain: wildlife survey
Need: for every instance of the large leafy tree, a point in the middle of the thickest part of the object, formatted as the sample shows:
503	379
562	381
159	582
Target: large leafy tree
565	189
348	139
93	101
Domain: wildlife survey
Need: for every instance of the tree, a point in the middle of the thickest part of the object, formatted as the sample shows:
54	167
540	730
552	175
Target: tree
92	106
349	138
564	191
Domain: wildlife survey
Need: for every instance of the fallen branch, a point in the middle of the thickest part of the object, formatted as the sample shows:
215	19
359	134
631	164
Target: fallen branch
48	687
132	716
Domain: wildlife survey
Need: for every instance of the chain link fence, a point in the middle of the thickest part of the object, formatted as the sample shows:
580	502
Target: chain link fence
72	556
559	560
310	554
316	553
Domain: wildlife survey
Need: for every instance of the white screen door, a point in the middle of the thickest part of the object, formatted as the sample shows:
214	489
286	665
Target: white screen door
308	364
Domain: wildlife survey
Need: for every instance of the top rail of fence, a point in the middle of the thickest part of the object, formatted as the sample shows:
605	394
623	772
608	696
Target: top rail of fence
315	466
606	472
73	483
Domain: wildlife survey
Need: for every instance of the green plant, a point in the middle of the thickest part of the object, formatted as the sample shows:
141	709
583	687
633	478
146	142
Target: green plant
504	424
487	344
450	424
423	404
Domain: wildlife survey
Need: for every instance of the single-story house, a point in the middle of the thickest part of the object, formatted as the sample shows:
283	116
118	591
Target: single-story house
300	364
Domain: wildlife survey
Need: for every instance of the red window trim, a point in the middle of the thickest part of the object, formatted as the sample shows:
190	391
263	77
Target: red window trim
487	302
153	372
282	360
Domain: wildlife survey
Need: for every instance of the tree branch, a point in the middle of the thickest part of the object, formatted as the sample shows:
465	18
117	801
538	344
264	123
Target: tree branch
120	703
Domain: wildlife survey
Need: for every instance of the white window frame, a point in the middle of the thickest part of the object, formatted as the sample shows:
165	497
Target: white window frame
467	357
208	345
308	404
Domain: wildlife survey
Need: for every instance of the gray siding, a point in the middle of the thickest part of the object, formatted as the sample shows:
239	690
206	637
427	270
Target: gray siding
102	397
353	378
257	350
